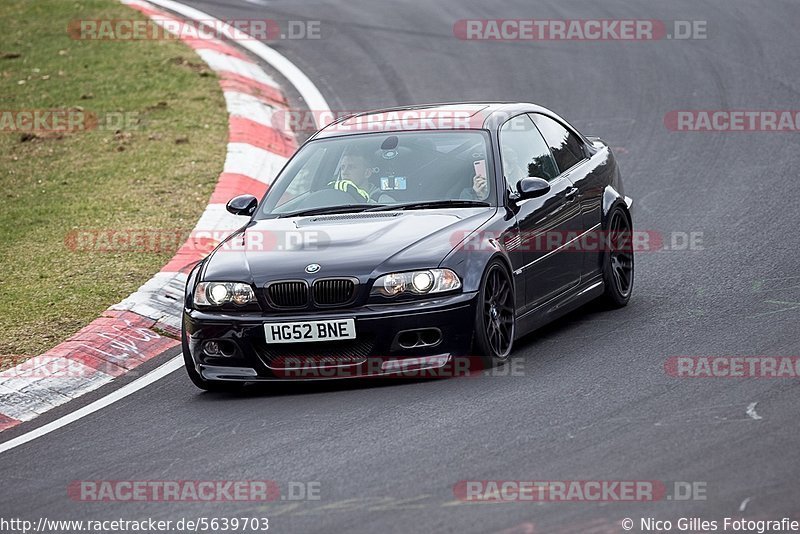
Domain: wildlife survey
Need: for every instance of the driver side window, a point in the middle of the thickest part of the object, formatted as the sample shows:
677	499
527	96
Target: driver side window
524	152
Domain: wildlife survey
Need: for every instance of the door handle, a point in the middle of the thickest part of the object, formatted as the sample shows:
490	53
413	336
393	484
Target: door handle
570	194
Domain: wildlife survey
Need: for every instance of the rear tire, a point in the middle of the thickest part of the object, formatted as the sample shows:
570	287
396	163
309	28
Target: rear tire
495	320
618	259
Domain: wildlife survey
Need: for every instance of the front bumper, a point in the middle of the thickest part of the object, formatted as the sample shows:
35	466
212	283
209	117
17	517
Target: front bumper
378	348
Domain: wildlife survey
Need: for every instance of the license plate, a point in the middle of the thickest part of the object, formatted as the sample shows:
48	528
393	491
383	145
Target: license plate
307	331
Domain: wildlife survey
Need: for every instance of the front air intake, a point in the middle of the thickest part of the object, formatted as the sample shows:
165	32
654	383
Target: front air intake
293	294
334	292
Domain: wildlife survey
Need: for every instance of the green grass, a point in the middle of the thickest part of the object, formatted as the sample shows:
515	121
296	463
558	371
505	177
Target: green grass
137	178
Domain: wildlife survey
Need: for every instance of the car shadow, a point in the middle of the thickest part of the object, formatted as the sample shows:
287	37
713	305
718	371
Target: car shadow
523	346
590	311
308	387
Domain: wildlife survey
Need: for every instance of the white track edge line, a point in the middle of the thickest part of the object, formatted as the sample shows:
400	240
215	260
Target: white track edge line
156	374
313	100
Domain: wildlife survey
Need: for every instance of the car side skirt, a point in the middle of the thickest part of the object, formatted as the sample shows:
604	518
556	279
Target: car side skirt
560	305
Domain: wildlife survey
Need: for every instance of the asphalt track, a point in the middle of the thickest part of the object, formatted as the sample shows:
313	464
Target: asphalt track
594	401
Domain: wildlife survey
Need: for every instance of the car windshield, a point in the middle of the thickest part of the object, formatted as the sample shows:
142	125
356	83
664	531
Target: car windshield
408	170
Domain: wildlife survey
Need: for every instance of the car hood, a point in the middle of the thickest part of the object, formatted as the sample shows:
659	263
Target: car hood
352	244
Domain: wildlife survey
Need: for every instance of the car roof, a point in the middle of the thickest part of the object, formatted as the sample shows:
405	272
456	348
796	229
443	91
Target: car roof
442	116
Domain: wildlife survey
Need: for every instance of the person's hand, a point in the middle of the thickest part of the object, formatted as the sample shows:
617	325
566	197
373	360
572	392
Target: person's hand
480	186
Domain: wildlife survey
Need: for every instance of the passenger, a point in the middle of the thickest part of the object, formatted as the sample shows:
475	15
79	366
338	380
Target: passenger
512	169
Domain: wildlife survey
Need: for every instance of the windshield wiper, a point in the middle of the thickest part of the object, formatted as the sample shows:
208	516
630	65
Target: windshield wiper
324	210
432	204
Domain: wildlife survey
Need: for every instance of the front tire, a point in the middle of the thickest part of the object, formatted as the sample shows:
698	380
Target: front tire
618	259
495	322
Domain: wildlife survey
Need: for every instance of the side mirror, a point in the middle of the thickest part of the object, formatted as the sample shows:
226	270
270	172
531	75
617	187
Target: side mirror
532	187
242	205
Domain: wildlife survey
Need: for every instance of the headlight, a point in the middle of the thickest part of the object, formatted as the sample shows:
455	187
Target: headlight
219	293
416	283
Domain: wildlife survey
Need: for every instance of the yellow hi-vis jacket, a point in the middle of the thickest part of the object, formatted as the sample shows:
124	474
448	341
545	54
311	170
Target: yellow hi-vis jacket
349	186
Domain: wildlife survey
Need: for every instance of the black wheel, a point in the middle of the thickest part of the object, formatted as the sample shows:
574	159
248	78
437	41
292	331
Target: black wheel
199	381
618	259
494	316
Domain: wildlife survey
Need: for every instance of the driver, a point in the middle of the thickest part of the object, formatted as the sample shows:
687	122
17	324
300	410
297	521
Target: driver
354	177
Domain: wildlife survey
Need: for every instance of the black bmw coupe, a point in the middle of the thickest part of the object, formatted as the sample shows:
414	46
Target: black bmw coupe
405	239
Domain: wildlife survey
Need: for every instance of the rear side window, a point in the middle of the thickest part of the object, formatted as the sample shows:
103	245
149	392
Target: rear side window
524	152
566	147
